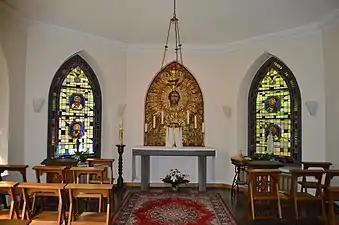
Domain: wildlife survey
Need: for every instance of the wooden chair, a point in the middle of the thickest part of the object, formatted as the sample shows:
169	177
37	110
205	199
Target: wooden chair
294	195
8	188
43	189
305	184
331	194
15	168
108	164
88	171
263	185
77	191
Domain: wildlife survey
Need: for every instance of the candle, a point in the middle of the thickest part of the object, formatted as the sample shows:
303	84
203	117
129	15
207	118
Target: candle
153	121
162	117
188	117
145	127
195	122
203	127
121	132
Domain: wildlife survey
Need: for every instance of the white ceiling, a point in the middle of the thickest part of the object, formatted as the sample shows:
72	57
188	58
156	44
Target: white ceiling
201	21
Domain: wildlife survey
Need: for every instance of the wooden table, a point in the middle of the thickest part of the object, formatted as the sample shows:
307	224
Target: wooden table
147	151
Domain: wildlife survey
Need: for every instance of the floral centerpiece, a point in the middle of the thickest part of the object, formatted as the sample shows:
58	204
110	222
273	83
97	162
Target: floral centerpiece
175	178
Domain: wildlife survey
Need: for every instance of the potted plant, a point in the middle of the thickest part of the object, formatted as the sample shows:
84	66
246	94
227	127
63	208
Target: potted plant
175	178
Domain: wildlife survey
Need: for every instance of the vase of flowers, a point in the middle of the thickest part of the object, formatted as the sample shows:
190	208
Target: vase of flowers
175	178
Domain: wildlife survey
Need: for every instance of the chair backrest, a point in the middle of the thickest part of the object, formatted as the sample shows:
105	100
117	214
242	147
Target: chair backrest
297	173
9	188
263	182
93	162
78	171
58	171
323	165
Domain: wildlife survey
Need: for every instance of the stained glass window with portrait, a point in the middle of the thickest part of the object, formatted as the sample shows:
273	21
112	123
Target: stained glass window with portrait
275	112
74	110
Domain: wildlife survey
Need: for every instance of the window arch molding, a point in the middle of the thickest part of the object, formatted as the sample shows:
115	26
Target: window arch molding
288	117
54	106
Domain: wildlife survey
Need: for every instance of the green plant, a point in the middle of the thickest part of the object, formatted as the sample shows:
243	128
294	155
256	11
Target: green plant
264	156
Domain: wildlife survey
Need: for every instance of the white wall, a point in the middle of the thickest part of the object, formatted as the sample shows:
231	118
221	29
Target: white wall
223	78
222	73
4	109
47	48
13	41
331	62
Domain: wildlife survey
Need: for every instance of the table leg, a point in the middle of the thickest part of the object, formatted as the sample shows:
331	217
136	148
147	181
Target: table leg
202	173
145	172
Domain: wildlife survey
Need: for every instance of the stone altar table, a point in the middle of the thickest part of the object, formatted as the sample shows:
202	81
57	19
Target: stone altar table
147	151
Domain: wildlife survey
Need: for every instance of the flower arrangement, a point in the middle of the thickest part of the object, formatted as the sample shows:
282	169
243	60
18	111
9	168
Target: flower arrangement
175	177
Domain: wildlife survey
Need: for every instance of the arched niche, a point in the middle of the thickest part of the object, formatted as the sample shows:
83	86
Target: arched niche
274	106
174	96
74	102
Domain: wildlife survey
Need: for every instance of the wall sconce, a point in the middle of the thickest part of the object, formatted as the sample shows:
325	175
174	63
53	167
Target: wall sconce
227	111
37	104
312	107
121	109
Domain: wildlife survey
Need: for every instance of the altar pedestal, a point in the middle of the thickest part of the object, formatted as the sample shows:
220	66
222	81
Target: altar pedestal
147	151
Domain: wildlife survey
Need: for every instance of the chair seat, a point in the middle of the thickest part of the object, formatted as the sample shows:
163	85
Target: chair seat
90	218
46	216
14	222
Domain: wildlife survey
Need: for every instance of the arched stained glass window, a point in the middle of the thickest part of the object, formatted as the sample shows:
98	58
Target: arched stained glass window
274	104
74	114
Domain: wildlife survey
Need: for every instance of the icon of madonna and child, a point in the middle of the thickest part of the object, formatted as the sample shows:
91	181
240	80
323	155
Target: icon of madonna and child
77	101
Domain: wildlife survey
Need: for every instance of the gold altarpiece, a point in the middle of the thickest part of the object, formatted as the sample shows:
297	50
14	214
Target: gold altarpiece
174	100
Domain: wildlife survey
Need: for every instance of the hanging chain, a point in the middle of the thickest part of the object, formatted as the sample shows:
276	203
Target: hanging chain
178	53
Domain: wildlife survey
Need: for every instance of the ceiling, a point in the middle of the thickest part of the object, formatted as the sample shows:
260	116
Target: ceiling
201	21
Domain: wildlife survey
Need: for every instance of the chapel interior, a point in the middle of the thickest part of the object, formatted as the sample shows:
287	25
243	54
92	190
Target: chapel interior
103	102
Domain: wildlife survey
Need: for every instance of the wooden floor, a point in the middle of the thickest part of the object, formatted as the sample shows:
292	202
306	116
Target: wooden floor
237	207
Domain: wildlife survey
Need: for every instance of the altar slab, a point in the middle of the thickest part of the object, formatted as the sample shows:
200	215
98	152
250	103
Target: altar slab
147	151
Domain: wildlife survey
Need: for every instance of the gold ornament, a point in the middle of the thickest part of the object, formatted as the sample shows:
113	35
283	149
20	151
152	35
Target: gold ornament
174	100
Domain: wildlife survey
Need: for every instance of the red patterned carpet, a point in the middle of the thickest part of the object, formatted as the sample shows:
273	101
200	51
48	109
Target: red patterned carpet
171	208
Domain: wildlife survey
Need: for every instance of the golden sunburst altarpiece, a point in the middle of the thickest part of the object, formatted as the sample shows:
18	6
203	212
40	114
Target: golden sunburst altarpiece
174	98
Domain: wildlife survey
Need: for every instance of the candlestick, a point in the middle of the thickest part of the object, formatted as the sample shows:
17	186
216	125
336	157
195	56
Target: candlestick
162	117
195	122
145	127
153	121
188	117
203	127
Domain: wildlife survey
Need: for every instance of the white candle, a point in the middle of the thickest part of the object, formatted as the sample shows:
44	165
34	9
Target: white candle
162	117
145	127
188	117
195	122
203	127
153	121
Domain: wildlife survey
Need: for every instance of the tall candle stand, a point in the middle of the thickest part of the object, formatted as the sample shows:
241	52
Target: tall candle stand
120	181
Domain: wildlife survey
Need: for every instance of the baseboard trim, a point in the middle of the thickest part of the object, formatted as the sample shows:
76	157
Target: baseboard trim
190	185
